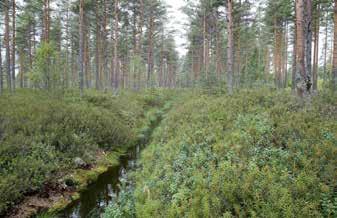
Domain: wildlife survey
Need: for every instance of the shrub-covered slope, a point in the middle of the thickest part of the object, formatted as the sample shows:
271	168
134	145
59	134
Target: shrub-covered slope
41	134
255	154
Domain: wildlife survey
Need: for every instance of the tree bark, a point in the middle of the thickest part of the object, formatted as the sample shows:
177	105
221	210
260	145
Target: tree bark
112	64
97	47
104	47
219	49
334	65
285	69
303	83
13	44
46	40
266	64
22	70
30	45
205	44
124	70
7	45
74	62
140	39
115	56
308	38
87	72
46	21
325	55
66	65
238	51
278	53
150	51
294	57
161	63
1	72
316	48
81	45
134	38
230	47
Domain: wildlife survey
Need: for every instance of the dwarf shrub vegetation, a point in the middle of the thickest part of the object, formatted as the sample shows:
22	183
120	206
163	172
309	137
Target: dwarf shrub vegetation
42	133
255	154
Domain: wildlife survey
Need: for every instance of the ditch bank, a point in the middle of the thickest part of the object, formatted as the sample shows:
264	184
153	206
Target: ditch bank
100	185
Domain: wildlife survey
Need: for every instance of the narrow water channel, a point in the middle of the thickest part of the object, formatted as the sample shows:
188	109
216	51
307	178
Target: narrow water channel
100	194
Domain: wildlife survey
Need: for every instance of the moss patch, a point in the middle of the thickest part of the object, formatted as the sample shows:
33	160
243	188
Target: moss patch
83	178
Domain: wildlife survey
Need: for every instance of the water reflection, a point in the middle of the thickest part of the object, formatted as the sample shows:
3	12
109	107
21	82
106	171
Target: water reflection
93	201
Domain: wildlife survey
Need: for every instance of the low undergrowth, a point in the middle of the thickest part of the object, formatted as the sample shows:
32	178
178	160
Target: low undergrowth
42	133
256	154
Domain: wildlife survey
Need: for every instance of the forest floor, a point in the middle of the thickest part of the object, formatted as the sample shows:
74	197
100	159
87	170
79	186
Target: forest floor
257	153
43	134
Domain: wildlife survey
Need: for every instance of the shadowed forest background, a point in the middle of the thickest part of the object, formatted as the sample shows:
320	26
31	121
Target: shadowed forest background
239	121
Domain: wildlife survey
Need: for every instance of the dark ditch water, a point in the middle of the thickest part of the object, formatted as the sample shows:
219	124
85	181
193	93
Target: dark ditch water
100	194
105	191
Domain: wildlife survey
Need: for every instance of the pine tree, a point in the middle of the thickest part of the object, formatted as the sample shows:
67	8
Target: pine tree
334	67
230	46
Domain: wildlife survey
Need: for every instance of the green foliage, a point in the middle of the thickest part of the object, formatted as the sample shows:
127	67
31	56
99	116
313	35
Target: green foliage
45	72
46	215
124	206
42	133
255	154
137	69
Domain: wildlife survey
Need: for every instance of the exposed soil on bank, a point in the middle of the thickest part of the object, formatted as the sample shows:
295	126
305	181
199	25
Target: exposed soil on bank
57	194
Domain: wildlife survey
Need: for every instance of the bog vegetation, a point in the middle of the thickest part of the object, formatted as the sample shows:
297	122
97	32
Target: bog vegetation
42	134
254	154
248	112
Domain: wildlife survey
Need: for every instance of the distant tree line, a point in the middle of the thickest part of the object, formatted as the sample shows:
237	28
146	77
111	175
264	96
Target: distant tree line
244	42
102	44
119	44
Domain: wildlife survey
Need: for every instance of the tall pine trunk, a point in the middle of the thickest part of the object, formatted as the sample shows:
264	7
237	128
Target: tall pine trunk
46	18
66	65
7	45
219	49
294	57
13	44
238	51
334	65
87	69
230	46
278	32
46	21
134	39
97	47
308	40
115	55
81	45
140	40
285	65
1	72
30	45
316	48
161	62
325	55
105	73
266	64
150	51
22	68
303	83
205	44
